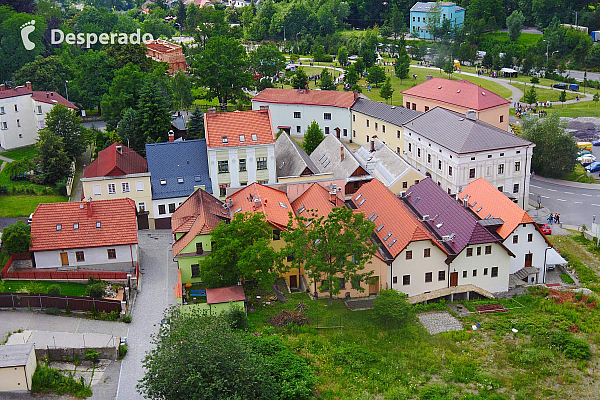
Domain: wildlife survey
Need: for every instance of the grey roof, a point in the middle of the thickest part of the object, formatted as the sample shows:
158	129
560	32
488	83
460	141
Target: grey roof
459	134
392	114
171	161
383	163
291	159
327	156
425	7
14	355
179	122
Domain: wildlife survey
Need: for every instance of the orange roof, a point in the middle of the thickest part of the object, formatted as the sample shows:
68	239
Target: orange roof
492	202
225	294
459	93
396	225
331	98
116	160
198	215
117	218
273	203
238	128
317	199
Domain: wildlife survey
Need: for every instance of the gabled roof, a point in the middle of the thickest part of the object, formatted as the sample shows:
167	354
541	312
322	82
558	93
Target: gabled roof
177	167
237	128
396	225
446	216
117	218
116	160
40	96
458	93
383	163
316	200
426	6
225	294
396	115
328	158
273	203
15	355
491	202
291	159
330	98
198	215
462	135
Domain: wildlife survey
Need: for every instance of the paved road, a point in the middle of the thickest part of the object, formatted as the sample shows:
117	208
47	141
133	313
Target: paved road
158	283
98	124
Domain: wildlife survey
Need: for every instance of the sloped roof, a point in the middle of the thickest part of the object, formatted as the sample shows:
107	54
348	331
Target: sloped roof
291	159
330	98
41	96
273	203
446	216
383	163
225	294
426	6
317	199
396	115
396	225
460	134
118	224
198	215
328	158
15	355
458	93
236	128
112	162
181	165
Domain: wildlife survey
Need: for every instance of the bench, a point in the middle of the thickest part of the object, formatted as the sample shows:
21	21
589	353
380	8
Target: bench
197	293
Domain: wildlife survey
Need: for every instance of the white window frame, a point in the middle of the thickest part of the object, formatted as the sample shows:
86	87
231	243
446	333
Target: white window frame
3	125
125	187
113	186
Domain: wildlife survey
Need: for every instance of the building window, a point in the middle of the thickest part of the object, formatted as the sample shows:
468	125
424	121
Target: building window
469	252
76	226
517	166
261	163
58	227
353	117
398	134
426	253
19	123
298	129
426	108
418	19
290	257
398	150
342	283
474	273
98	224
516	188
327	130
142	206
464	274
440	164
224	139
485	271
367	123
494	272
383	128
530	237
276	234
413	19
501	188
414	106
376	125
112	254
254	137
409	254
139	186
408	105
441	275
419	152
395	280
223	167
162	209
3	125
410	147
195	270
449	170
500	169
515	239
97	189
2	111
16	108
297	114
171	208
471	173
488	249
479	250
404	185
199	248
112	188
125	187
353	133
223	190
406	280
79	256
327	116
242	165
345	132
428	158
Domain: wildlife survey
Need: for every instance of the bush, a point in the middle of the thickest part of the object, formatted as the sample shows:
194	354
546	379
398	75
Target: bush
572	347
52	311
236	317
127	318
54	289
61	187
122	351
392	309
46	379
3	189
95	290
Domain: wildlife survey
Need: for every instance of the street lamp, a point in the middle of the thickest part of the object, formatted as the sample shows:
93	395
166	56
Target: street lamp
66	90
283	26
547	47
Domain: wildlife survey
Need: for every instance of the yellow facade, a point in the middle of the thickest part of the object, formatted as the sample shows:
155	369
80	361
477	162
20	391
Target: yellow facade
365	127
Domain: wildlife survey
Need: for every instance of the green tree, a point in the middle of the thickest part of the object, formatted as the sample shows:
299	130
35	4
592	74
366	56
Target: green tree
596	98
327	82
534	80
342	56
66	124
124	54
402	64
129	131
181	14
124	93
562	97
530	96
449	68
376	75
241	251
94	72
267	60
514	22
54	160
196	125
299	79
19	167
386	91
351	76
16	238
549	134
153	112
182	91
331	248
312	138
14	54
392	309
49	73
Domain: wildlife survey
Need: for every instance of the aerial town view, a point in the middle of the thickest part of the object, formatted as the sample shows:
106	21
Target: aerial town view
298	200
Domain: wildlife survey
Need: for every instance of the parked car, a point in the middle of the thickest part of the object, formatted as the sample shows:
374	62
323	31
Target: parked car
586	159
546	230
593	167
583	153
30	219
560	85
595	142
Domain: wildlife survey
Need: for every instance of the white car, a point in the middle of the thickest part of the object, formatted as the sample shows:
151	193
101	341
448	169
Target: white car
586	159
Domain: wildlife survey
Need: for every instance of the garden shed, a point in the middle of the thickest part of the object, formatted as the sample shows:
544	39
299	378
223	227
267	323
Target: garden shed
17	365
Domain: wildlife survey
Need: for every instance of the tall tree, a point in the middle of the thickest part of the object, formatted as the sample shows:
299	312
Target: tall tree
16	238
182	91
181	14
514	23
66	124
449	68
376	75
54	160
312	138
562	97
342	56
530	96
351	76
327	82
124	93
49	73
267	60
331	248
124	54
153	112
386	91
402	64
129	131
196	125
94	72
299	79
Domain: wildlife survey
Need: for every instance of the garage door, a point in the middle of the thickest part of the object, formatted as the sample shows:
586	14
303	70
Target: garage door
162	223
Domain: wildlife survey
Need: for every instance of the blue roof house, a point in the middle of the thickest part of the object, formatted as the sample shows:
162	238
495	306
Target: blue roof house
420	17
176	169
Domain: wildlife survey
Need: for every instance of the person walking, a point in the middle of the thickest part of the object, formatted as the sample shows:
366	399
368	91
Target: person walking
558	218
550	219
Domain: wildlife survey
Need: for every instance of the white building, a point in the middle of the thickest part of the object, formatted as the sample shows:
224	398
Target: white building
23	112
455	149
92	235
294	110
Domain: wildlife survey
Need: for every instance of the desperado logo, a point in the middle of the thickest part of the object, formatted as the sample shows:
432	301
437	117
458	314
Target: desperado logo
57	36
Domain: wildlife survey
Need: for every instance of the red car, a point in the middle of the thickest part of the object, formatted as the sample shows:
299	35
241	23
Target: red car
546	230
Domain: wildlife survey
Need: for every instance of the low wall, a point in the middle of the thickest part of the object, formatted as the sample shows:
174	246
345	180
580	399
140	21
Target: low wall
41	301
69	354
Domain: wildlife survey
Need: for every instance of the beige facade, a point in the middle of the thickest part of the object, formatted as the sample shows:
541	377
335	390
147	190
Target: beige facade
496	116
17	378
365	128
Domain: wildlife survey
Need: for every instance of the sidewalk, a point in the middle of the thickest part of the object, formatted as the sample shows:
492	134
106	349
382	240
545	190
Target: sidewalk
579	185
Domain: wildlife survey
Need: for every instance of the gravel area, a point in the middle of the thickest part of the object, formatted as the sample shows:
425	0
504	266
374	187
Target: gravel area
437	322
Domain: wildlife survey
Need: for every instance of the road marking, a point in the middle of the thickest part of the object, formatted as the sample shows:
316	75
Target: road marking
560	200
545	197
537	187
597	205
568	193
588	195
578	202
552	190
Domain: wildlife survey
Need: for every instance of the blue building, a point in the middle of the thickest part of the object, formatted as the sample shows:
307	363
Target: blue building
419	17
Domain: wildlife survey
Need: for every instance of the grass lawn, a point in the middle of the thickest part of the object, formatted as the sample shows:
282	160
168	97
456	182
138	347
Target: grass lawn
581	109
66	288
580	175
21	186
583	257
526	39
20	153
548	94
23	205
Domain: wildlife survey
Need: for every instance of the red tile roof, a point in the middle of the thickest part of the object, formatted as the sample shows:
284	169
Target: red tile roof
237	128
458	93
273	203
41	96
396	225
118	224
111	162
331	98
317	199
198	215
225	294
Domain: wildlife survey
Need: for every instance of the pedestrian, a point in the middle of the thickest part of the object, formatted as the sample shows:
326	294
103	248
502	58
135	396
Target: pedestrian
550	219
558	218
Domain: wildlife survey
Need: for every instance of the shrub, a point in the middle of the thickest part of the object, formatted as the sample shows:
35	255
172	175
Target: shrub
397	393
52	311
67	310
284	318
54	289
92	355
46	379
95	290
392	309
436	392
572	347
122	351
236	317
127	318
3	189
61	187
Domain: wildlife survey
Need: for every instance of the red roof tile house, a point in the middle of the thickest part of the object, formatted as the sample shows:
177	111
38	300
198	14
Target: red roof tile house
93	235
163	51
119	172
459	96
293	110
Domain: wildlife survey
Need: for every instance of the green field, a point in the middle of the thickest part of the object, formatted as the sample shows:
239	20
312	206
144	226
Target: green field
526	39
23	152
548	94
23	205
581	109
66	288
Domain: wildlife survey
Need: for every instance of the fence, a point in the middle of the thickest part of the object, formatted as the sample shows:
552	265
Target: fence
17	300
71	179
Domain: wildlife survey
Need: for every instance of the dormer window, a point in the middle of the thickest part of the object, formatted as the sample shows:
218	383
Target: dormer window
197	178
242	138
254	137
180	179
163	181
76	226
98	224
224	139
58	227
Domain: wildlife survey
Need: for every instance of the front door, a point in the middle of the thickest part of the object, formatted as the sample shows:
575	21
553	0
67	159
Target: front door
528	259
64	259
453	279
293	282
374	287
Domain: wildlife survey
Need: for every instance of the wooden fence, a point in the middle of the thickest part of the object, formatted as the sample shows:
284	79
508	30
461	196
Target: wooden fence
37	300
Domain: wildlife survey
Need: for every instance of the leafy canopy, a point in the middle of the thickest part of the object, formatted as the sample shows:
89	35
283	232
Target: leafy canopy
312	138
16	238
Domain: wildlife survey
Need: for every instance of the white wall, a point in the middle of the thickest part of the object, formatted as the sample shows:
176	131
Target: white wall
94	256
15	136
537	247
175	200
283	115
499	258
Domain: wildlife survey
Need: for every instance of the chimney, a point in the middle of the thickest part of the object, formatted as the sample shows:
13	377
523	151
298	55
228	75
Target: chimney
472	115
428	77
372	145
341	153
332	196
28	84
356	94
171	136
2	87
119	149
88	206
